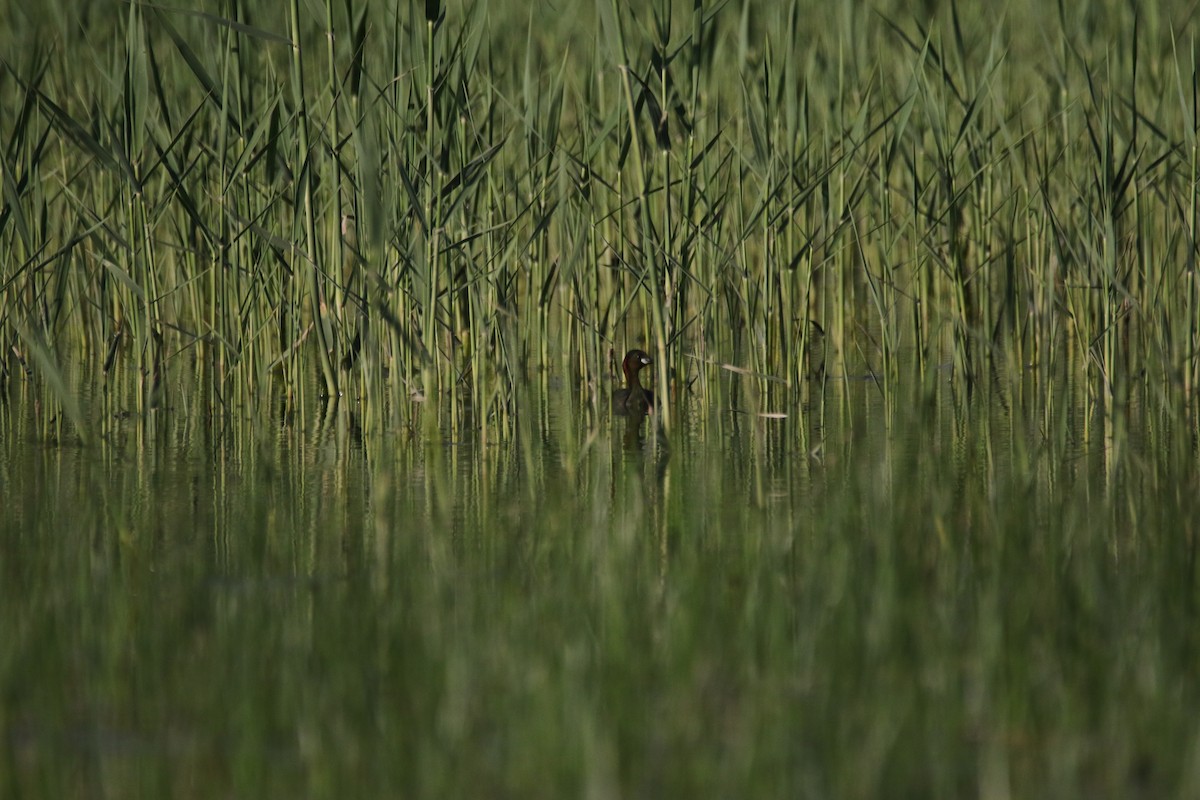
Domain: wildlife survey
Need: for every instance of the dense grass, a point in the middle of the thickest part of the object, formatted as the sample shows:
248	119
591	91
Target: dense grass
328	295
432	201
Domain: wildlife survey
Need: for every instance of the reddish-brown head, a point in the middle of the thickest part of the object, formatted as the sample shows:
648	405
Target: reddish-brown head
634	361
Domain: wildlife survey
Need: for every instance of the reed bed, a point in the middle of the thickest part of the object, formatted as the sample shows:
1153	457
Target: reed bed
426	206
292	271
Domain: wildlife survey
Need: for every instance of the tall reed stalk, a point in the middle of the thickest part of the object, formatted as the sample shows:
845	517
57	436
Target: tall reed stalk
425	209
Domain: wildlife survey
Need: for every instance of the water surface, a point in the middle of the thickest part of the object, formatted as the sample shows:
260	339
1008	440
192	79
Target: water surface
890	591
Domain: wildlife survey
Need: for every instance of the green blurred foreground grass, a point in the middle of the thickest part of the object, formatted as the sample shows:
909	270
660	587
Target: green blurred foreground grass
938	603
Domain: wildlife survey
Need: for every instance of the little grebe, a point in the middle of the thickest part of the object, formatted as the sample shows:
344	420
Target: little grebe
633	399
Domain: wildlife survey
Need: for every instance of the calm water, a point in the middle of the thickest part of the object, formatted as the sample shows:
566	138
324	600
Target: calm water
890	592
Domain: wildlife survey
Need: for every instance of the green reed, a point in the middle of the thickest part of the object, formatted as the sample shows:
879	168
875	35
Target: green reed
421	207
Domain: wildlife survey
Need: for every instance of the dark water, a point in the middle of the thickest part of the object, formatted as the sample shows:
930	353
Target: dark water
890	591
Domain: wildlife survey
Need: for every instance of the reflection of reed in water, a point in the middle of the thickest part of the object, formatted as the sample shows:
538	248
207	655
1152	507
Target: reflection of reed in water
814	351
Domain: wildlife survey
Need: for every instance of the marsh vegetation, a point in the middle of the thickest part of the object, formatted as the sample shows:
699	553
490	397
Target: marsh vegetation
311	320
